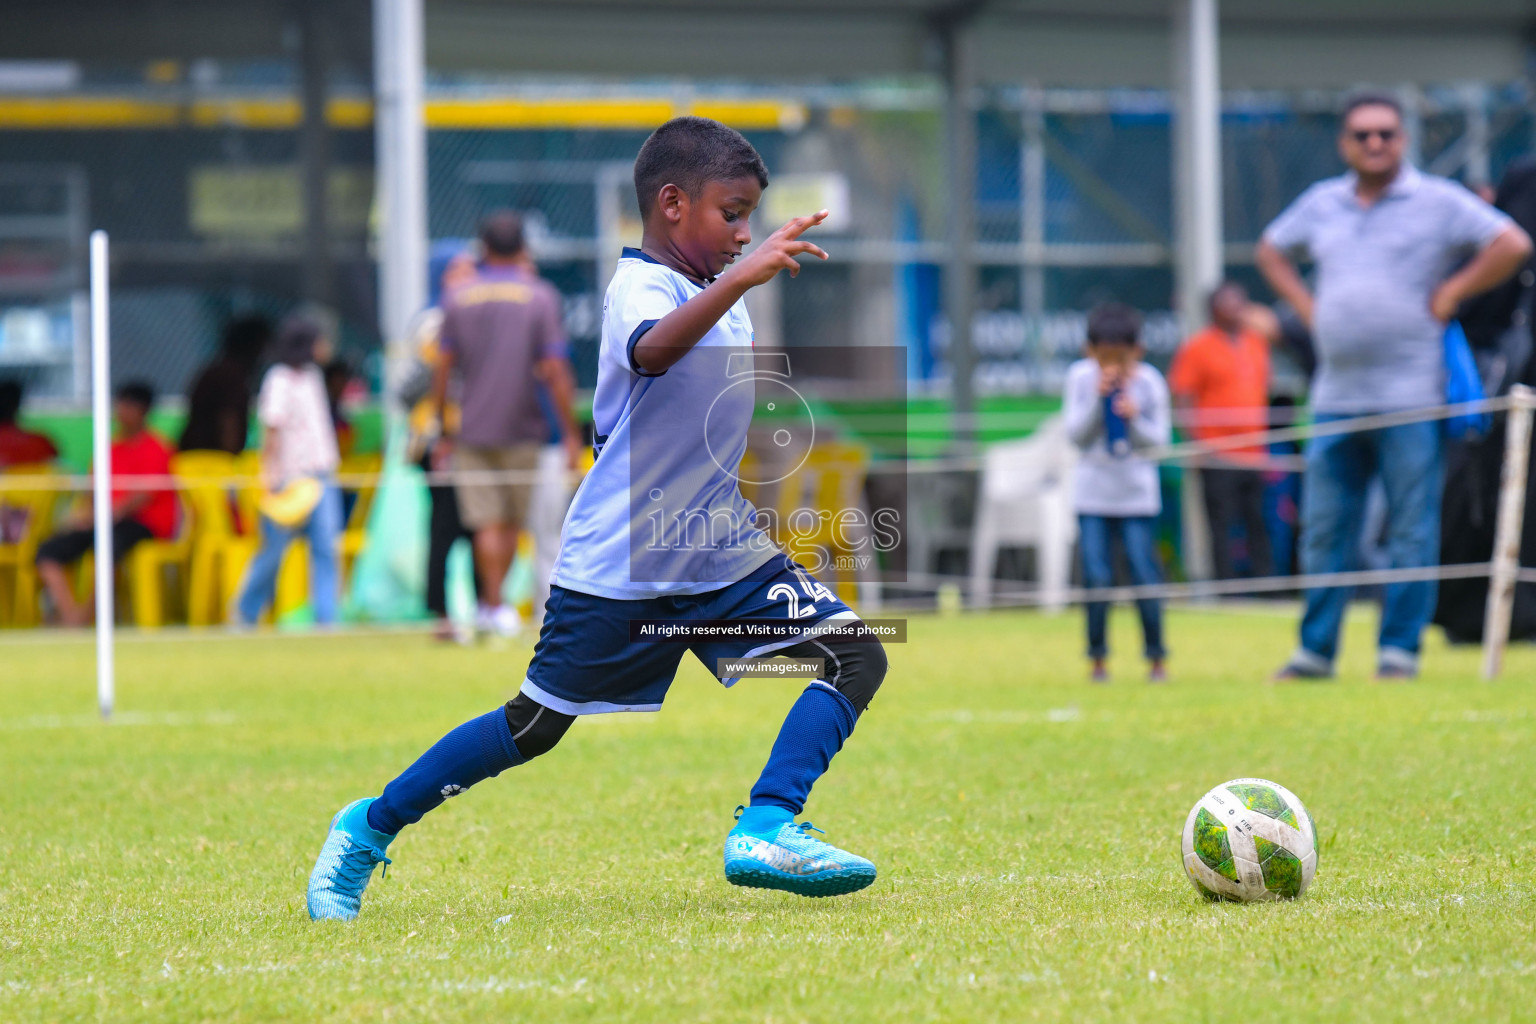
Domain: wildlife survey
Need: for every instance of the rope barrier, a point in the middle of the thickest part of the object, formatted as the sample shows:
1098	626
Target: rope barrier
1194	590
247	482
1502	570
1353	424
1191	454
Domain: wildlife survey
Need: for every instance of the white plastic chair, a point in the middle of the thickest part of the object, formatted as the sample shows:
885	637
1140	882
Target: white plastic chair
1025	500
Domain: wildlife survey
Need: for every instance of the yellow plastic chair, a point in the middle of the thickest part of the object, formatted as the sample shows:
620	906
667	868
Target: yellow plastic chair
32	512
248	495
219	552
292	580
830	482
355	535
145	571
524	554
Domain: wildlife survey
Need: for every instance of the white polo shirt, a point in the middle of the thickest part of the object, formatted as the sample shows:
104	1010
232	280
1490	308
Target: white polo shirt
1379	348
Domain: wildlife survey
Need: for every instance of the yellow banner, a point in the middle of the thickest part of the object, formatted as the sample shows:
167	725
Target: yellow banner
266	203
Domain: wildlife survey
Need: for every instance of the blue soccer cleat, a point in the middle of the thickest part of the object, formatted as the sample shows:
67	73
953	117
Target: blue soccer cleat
345	865
768	850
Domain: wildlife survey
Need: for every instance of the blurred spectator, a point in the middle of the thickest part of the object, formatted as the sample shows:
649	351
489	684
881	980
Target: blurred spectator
219	405
137	515
338	377
1384	239
503	332
1498	326
445	528
1488	316
298	445
1115	405
1221	376
550	501
18	445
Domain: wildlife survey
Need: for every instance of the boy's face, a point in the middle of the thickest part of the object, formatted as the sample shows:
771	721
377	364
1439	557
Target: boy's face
710	230
130	416
1118	359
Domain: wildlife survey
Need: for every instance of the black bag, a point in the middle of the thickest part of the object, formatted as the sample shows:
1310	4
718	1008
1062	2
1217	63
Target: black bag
1498	326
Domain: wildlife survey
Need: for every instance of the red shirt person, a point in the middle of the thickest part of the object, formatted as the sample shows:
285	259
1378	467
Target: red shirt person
1221	376
137	514
19	446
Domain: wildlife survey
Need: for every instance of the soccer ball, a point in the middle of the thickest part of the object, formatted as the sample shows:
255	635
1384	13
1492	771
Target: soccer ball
1249	840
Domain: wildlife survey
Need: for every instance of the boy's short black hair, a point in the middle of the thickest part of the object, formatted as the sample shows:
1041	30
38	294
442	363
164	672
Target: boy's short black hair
137	392
10	400
689	152
1114	323
1370	98
502	233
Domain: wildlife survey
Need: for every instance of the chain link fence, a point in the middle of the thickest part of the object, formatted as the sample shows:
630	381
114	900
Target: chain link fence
1074	205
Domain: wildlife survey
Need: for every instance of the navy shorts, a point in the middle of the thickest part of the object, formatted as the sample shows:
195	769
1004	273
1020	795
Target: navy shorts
587	664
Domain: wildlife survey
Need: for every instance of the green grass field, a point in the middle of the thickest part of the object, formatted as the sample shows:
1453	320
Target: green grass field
1026	826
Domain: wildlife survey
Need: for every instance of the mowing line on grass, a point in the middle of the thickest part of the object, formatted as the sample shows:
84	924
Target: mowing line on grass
93	721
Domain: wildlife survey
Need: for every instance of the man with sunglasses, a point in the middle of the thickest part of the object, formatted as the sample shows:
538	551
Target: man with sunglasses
1395	252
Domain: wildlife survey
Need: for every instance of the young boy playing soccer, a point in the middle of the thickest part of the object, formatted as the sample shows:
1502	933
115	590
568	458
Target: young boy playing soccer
659	532
1115	406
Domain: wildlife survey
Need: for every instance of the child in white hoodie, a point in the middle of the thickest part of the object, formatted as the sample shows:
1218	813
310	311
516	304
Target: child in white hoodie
1116	406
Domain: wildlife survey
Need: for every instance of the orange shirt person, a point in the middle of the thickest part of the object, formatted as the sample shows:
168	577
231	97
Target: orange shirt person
1221	375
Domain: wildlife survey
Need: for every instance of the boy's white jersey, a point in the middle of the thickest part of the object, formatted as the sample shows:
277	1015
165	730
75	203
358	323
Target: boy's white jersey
662	511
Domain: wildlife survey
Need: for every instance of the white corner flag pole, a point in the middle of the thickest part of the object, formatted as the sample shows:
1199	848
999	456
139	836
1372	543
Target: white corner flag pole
1505	567
101	452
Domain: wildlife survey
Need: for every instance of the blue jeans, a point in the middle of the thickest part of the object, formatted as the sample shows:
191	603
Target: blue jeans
324	533
1411	462
1095	538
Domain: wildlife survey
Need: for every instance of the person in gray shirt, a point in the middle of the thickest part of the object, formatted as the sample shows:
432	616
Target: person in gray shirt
503	332
1395	252
1116	406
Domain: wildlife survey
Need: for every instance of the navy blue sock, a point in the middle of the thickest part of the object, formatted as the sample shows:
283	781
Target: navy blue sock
813	731
481	748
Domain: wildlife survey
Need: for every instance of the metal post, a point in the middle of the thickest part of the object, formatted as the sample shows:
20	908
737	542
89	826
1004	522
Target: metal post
1032	197
613	183
101	478
1478	172
401	146
1412	99
1504	567
1197	174
960	272
1197	155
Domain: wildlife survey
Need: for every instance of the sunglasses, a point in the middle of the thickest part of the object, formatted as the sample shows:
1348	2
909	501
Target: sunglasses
1384	134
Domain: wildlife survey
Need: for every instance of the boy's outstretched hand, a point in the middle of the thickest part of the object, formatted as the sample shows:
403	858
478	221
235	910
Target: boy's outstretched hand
779	250
677	332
